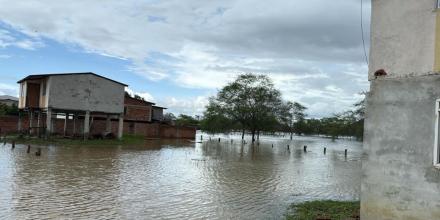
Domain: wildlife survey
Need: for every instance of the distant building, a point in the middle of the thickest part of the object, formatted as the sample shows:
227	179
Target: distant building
137	109
401	161
73	95
9	100
158	113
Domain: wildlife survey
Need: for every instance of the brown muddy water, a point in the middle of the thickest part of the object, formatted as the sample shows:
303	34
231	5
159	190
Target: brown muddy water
176	179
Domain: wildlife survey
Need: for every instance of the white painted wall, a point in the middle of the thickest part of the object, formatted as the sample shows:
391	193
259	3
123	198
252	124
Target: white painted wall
402	37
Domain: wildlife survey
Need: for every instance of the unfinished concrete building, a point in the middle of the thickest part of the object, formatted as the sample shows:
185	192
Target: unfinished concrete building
73	96
401	163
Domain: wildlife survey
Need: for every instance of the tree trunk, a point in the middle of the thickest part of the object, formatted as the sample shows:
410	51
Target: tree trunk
258	135
253	136
242	134
291	135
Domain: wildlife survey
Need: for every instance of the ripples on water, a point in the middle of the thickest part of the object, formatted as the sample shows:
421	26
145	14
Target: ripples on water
176	179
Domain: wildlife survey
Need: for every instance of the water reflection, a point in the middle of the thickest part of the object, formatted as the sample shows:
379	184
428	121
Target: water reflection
169	179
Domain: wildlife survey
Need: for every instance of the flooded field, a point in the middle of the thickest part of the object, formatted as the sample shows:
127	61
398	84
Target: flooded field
176	179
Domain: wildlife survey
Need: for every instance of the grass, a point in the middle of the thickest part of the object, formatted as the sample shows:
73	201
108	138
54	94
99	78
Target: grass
334	210
55	140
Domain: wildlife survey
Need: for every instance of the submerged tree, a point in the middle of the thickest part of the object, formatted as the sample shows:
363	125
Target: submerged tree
250	103
293	118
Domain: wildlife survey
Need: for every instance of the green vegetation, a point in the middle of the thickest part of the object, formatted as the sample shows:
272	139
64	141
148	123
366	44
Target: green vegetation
252	104
8	110
334	210
59	141
186	120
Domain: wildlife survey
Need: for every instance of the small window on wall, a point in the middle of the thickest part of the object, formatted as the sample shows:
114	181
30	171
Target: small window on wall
436	136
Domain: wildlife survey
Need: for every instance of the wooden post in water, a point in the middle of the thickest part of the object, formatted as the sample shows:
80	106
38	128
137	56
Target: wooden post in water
288	147
201	137
13	144
272	145
325	150
305	148
345	153
218	139
28	149
38	153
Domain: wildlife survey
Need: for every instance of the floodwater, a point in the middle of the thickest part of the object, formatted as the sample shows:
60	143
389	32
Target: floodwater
176	179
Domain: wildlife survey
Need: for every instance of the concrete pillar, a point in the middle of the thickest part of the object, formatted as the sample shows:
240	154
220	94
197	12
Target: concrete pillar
49	121
120	126
108	124
39	123
31	119
19	122
86	125
65	123
74	124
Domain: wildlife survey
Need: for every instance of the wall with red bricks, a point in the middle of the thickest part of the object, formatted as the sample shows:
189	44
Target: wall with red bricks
9	124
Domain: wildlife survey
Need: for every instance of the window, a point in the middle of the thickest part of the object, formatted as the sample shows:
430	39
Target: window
436	136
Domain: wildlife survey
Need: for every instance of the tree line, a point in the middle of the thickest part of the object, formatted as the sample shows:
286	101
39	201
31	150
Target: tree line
251	104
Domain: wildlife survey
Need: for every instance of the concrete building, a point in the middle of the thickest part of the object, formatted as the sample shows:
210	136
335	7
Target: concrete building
158	113
72	95
401	162
8	100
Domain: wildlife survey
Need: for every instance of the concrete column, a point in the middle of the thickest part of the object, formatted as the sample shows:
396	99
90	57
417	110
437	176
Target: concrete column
49	121
120	126
86	125
74	125
38	123
65	123
31	119
108	124
19	122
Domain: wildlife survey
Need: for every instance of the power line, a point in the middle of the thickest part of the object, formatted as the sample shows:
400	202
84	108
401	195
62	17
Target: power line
362	31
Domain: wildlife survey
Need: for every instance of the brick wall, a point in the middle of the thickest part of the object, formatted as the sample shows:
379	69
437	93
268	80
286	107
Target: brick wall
139	113
8	124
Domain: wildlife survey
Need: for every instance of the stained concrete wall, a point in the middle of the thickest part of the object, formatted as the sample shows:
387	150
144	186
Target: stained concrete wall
402	37
85	92
399	180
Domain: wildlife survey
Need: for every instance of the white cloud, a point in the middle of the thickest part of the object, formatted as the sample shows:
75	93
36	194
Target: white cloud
147	96
188	106
8	40
312	52
7	89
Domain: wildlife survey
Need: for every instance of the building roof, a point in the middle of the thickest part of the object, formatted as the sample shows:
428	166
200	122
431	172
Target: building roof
8	97
155	106
137	101
41	76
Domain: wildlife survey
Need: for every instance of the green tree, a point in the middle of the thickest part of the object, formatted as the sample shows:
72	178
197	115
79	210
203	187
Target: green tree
8	110
251	102
294	118
186	120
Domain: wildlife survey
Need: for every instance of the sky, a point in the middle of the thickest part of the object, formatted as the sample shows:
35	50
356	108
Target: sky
178	53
